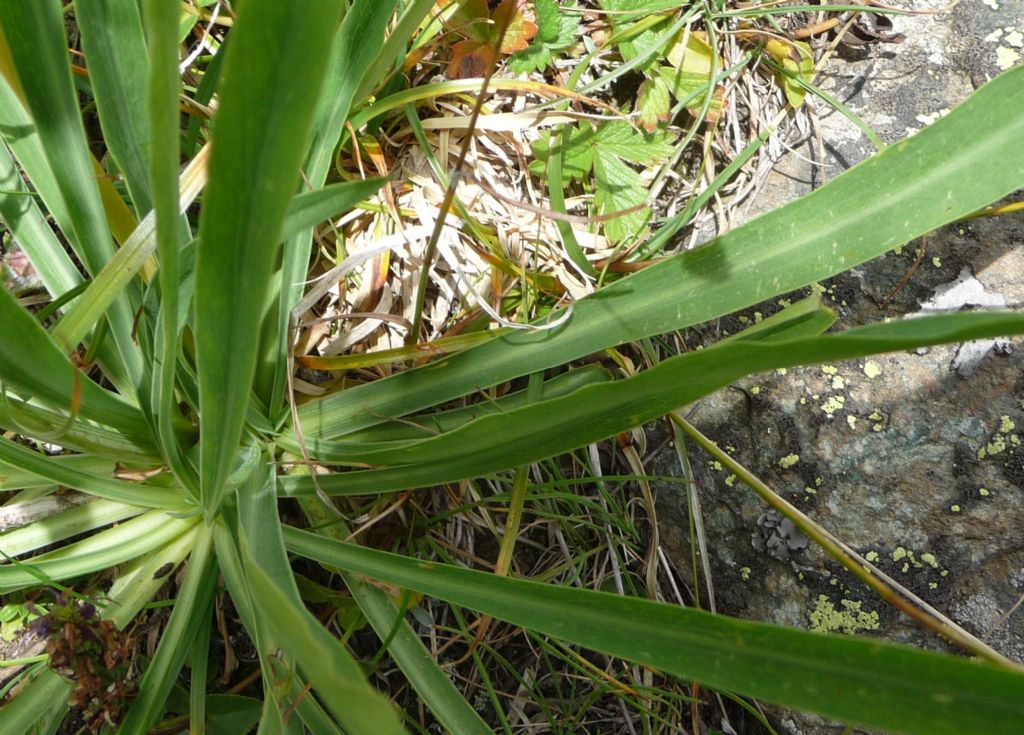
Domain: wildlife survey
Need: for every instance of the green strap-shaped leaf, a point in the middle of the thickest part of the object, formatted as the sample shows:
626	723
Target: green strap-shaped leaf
431	682
103	550
33	365
329	666
35	37
118	63
351	54
272	74
961	163
22	216
163	117
191	610
897	688
595	412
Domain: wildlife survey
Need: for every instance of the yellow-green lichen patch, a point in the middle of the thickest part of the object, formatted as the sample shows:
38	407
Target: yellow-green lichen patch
730	480
983	492
955	508
803	401
755	390
788	461
715	465
833	404
852	421
899	553
850	618
929	559
781	371
996	446
937	262
829	369
872	370
1006	425
871	556
745	573
810	491
838	383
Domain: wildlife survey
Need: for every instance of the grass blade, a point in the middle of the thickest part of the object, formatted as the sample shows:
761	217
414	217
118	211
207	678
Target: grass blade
898	688
272	75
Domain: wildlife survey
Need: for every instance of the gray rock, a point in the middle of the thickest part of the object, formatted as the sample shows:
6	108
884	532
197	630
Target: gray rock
913	459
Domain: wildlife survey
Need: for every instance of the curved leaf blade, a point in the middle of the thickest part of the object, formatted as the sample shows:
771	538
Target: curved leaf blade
898	688
595	412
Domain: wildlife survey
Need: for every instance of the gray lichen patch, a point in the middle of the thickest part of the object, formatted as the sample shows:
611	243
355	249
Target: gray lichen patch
778	536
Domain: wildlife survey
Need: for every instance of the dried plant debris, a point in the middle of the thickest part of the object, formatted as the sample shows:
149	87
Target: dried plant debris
633	150
92	654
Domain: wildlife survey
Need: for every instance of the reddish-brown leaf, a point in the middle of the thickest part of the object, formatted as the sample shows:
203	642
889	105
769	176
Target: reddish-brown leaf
470	59
522	24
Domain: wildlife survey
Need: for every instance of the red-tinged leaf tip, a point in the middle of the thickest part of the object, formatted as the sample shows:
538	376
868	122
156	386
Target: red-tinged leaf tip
522	24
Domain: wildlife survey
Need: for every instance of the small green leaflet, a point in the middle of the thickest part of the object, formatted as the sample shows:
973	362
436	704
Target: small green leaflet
556	30
605	152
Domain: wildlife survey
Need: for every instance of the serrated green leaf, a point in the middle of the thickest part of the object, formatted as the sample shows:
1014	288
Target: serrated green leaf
556	30
578	153
653	103
620	139
618	188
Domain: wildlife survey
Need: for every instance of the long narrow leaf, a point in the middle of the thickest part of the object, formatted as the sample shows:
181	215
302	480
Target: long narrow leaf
101	551
26	222
430	681
348	63
595	412
191	610
35	36
33	365
322	657
164	86
881	685
272	75
964	161
118	64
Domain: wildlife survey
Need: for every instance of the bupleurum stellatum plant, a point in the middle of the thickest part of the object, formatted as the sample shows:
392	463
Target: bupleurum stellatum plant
152	394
